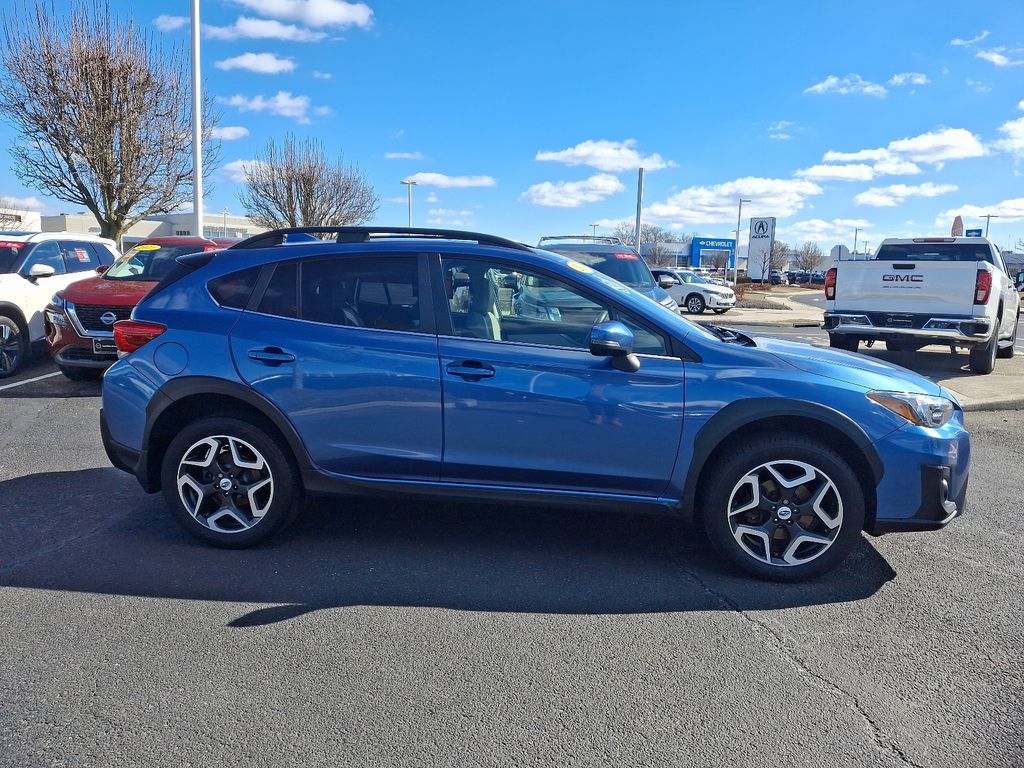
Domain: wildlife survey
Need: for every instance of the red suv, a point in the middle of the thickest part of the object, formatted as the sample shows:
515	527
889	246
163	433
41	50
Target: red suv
80	318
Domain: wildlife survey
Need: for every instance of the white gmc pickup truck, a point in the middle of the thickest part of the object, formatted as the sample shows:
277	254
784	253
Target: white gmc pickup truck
953	291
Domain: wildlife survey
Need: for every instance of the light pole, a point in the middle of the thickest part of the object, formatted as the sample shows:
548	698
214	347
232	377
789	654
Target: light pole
409	183
224	221
594	227
856	231
867	248
197	128
988	217
736	248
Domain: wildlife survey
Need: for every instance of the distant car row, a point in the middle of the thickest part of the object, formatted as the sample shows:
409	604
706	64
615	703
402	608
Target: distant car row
778	277
68	289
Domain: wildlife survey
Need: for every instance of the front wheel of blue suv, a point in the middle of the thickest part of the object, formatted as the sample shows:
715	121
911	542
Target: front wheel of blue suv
227	482
783	507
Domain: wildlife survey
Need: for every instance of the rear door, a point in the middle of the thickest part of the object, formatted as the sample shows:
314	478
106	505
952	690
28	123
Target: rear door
344	345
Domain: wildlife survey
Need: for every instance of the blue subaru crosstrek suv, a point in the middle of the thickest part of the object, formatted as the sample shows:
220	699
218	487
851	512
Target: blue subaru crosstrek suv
377	361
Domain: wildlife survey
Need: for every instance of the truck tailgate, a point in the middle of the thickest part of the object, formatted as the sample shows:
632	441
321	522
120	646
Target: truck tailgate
924	287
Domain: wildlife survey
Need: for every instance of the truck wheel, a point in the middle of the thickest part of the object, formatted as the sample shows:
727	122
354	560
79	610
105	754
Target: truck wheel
228	482
81	374
13	346
983	359
846	343
695	304
783	507
1005	353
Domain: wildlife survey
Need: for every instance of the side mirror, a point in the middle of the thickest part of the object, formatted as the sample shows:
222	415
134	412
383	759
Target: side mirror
102	268
665	281
614	340
41	270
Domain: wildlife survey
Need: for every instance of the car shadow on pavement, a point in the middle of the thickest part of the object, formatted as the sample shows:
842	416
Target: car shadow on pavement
95	531
936	363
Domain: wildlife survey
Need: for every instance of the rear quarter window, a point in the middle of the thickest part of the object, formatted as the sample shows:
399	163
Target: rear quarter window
234	290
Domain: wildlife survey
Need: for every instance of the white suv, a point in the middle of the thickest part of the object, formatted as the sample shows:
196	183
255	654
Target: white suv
33	267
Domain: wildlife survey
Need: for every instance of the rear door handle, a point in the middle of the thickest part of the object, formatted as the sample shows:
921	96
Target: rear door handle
470	370
271	356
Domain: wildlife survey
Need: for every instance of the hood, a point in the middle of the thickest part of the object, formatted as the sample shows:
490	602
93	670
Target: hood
657	293
99	290
849	367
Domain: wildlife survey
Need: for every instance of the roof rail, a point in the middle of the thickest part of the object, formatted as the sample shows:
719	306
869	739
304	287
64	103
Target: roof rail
367	234
610	240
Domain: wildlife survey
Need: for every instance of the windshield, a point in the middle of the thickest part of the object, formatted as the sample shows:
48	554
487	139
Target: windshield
9	254
149	261
935	252
624	266
693	277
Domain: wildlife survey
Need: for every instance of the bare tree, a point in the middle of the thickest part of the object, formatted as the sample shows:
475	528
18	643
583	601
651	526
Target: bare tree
102	112
808	257
625	230
295	185
10	215
718	259
774	258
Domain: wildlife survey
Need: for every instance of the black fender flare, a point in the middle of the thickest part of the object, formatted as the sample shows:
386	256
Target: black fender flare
13	311
740	413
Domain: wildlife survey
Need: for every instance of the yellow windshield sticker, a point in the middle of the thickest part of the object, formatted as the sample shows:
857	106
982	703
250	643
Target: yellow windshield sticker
149	247
580	267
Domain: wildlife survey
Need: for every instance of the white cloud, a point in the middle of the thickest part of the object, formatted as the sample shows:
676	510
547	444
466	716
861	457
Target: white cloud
909	78
852	83
314	13
716	204
894	194
1007	211
282	103
236	169
854	172
447	182
1020	105
972	41
166	23
431	197
604	155
852	157
978	85
820	230
781	125
264	63
998	57
23	204
262	29
895	166
939	145
321	75
439	222
230	132
404	156
780	136
1013	131
449	212
572	194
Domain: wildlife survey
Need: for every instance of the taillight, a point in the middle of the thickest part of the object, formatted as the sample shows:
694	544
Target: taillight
982	287
830	284
129	335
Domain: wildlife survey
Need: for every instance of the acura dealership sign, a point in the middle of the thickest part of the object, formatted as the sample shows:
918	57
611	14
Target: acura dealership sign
762	235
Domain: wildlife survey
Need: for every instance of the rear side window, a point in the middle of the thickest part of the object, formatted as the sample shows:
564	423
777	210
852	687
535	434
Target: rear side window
235	289
281	298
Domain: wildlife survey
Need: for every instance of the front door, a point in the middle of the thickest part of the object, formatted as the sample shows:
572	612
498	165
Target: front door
36	291
339	345
526	404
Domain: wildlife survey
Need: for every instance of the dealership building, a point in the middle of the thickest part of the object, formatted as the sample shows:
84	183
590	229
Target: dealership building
167	225
699	252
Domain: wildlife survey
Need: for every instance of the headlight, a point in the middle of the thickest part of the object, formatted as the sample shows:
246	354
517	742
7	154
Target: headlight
923	410
58	301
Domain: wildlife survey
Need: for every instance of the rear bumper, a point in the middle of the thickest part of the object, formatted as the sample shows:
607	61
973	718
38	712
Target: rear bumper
968	331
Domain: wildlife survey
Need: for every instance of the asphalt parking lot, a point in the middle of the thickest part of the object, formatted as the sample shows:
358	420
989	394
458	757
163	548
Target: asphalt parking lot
429	634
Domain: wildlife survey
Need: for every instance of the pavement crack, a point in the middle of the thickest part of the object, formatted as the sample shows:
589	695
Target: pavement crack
882	742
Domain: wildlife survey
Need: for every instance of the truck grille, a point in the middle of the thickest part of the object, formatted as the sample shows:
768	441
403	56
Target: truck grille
89	316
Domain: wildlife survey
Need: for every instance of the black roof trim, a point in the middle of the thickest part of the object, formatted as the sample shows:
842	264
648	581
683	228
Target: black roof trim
367	234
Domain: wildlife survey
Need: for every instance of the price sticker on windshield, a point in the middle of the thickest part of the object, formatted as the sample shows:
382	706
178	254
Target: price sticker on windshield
148	247
580	267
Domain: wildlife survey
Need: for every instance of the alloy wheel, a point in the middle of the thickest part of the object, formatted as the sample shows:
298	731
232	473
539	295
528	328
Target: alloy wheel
785	513
10	349
225	484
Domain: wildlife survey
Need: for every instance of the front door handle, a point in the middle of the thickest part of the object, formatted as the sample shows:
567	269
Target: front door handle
470	370
272	356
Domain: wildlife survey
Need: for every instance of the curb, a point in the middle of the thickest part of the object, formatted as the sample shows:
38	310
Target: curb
801	323
1008	404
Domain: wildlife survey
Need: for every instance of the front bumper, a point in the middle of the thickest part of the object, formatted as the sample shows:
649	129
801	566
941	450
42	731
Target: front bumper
964	331
71	346
720	302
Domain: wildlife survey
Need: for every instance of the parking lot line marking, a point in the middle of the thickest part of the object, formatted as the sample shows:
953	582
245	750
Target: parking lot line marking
29	381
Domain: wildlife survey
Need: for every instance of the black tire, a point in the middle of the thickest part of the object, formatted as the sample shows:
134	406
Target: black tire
14	346
282	501
847	343
81	374
982	360
720	311
845	496
1007	352
695	304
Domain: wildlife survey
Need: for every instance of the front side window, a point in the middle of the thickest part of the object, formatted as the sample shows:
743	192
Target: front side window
496	302
361	291
79	257
47	253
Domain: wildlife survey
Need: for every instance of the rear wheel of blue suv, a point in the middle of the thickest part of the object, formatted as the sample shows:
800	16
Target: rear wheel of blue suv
458	365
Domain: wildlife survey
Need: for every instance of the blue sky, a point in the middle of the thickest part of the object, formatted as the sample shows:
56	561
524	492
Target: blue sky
530	118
